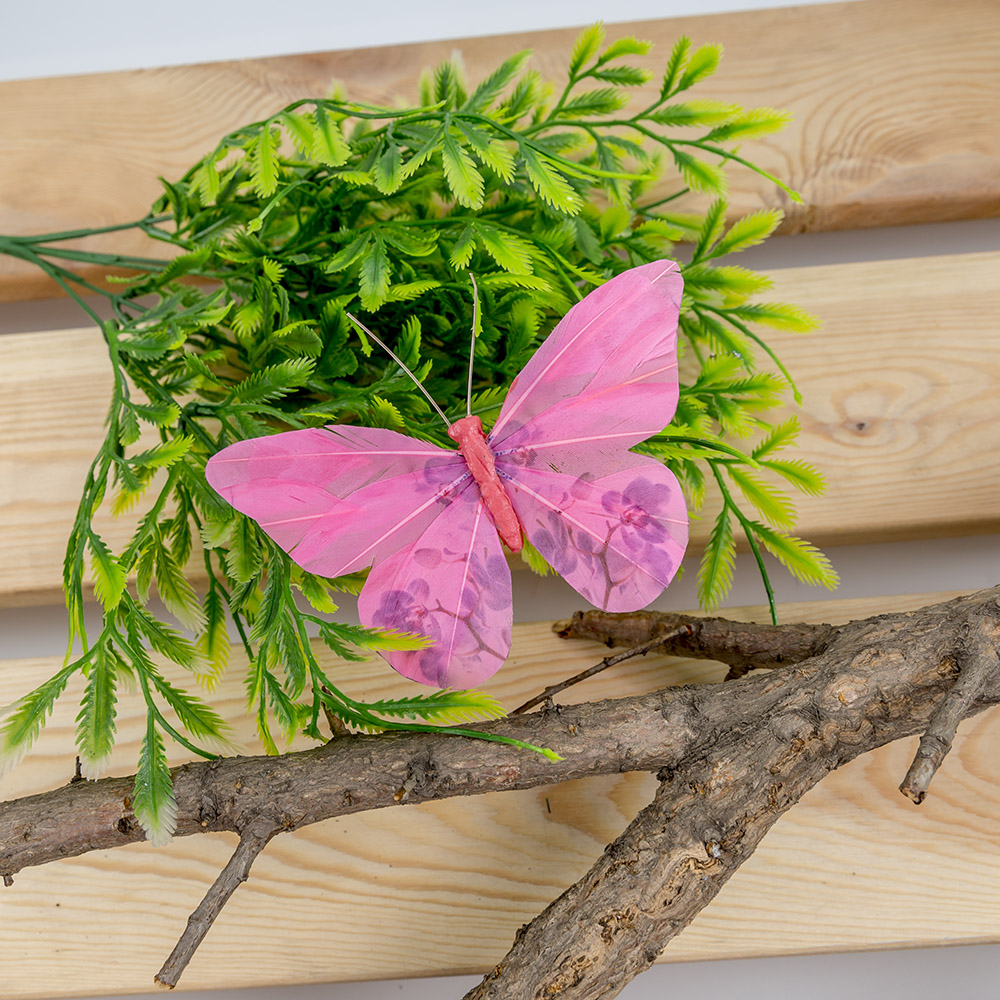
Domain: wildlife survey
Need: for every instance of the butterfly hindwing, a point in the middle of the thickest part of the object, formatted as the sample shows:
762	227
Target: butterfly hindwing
452	584
617	539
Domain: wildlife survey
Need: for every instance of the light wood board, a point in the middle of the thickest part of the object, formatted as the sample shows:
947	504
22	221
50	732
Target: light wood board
901	411
894	104
442	887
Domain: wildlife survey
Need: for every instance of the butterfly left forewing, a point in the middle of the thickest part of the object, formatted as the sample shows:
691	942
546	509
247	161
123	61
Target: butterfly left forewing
452	584
338	499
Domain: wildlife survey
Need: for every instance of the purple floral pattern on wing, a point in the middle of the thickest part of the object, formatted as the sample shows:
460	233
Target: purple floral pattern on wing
453	586
617	540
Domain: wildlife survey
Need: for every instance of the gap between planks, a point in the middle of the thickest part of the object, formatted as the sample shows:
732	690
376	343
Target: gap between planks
893	101
441	888
900	408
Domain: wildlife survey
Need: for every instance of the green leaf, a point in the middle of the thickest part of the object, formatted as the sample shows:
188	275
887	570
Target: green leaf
715	574
388	171
412	242
800	474
27	716
153	799
349	254
729	279
703	62
534	559
160	414
329	145
300	128
273	271
804	561
627	46
384	414
464	179
698	174
750	124
778	316
493	153
711	229
95	723
446	707
748	231
199	719
510	251
778	437
461	253
163	455
675	65
374	275
109	577
586	47
623	76
693	113
551	186
214	644
773	506
244	558
264	162
273	381
491	88
592	103
176	592
406	291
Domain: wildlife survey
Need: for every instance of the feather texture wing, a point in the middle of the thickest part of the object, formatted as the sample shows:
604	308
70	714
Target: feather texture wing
338	499
453	585
616	539
604	380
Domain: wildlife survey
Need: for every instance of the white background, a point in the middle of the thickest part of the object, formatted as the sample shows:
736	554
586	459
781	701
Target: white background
53	38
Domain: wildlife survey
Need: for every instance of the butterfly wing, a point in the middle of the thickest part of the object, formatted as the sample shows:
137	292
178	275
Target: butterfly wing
453	585
338	498
616	539
604	380
611	522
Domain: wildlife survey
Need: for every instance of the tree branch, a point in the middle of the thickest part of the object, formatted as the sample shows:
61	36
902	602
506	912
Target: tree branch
712	809
253	840
609	661
978	665
731	759
742	645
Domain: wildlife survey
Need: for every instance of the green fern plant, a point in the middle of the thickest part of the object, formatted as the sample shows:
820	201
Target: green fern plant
329	206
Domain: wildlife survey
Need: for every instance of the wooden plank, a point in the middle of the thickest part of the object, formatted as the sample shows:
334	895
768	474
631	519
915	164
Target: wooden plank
441	887
894	104
900	406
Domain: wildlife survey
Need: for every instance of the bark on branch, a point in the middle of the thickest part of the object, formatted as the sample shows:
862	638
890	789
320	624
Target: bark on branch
732	758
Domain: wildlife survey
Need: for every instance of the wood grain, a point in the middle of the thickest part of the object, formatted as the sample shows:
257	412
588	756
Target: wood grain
894	104
442	887
900	408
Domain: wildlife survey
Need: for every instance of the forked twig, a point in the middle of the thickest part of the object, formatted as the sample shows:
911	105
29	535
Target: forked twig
609	661
977	667
253	840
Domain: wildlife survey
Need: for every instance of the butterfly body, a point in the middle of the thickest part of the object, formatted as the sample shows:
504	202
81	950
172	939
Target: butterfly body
556	469
475	449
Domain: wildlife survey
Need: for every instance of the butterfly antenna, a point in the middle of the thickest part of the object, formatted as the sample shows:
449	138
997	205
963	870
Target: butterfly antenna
392	354
472	346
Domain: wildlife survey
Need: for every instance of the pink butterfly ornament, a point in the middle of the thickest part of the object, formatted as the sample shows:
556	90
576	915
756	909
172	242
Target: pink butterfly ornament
556	467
